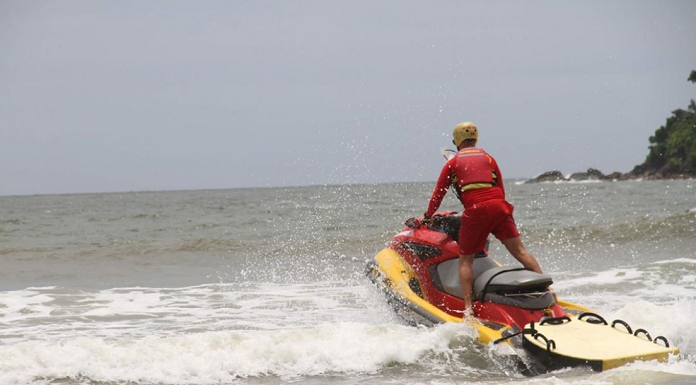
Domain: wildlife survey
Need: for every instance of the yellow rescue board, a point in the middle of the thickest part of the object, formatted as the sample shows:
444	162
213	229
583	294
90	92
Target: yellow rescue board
598	345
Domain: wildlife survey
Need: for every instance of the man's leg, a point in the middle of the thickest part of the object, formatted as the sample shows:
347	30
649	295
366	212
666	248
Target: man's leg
466	279
517	249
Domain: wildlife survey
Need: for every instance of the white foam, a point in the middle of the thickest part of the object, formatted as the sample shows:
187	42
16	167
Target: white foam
126	302
219	333
222	357
613	276
673	321
678	260
675	365
561	379
652	281
139	312
574	181
22	304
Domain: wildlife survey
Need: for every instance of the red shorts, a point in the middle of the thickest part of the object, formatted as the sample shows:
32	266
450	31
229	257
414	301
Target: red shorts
490	217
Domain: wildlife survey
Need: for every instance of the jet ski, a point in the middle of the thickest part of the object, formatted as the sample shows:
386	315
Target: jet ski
514	311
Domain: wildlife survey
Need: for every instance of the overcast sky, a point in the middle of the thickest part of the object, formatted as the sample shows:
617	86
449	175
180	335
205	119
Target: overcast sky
99	96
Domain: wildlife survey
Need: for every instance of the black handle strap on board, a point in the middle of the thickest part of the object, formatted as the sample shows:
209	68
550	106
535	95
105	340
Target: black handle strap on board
596	318
643	331
661	338
554	321
532	331
622	322
548	341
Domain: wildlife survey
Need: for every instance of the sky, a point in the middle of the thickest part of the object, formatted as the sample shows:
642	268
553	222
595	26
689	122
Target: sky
102	96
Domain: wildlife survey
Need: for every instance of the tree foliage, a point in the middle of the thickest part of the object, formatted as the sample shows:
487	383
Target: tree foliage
673	147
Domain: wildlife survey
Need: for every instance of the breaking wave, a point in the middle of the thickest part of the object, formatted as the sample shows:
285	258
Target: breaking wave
222	357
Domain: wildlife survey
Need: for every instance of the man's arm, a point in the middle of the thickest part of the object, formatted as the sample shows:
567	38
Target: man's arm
499	181
443	183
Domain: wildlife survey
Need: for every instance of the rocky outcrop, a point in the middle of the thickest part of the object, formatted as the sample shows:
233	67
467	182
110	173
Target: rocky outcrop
613	176
590	174
556	176
640	172
643	172
549	176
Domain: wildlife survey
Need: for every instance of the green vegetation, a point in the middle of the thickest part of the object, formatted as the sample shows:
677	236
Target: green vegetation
673	147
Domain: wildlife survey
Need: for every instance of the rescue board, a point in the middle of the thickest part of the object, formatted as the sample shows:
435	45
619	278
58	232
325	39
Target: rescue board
589	340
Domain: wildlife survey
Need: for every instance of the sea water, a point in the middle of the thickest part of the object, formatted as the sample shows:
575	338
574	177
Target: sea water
267	286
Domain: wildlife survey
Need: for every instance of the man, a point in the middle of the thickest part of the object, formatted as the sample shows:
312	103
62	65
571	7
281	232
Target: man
476	178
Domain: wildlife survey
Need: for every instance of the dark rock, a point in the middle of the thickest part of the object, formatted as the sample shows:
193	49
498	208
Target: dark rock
613	176
549	176
639	170
637	173
590	174
642	171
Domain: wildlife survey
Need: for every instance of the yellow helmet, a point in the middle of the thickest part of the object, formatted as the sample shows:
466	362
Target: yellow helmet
464	131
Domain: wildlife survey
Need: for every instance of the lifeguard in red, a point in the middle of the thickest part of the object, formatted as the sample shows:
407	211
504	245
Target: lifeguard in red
476	178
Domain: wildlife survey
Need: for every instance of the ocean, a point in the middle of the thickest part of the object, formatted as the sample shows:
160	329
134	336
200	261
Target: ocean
268	286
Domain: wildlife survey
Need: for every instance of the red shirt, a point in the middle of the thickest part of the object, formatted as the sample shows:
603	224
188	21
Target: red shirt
469	197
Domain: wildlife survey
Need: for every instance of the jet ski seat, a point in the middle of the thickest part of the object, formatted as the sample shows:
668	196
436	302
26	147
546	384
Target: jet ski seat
504	285
510	280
